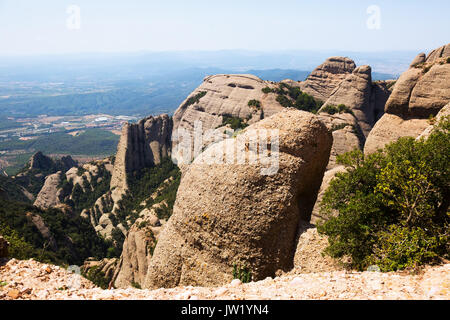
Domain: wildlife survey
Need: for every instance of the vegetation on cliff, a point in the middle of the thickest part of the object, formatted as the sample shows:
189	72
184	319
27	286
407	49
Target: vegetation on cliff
146	182
235	123
292	97
75	238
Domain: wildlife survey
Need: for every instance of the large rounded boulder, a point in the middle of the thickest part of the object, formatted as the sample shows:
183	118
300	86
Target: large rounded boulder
240	213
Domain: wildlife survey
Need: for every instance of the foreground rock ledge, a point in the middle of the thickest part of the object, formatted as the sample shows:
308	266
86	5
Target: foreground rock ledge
30	280
227	214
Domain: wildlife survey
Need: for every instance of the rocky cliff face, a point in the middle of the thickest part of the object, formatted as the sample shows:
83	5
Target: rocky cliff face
137	251
230	214
422	91
326	78
40	161
141	145
222	96
49	196
140	243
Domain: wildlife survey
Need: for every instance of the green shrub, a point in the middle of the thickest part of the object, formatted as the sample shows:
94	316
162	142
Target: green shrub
339	126
254	103
242	272
136	285
18	247
293	97
267	90
194	99
27	242
330	109
399	195
235	123
448	60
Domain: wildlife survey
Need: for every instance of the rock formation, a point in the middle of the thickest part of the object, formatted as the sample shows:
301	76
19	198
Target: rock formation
139	244
327	178
308	254
141	145
137	251
230	215
91	175
365	99
41	162
67	162
420	92
336	81
346	134
390	128
49	196
325	78
225	95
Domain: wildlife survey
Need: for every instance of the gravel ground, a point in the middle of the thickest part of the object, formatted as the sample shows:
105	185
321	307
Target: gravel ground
35	281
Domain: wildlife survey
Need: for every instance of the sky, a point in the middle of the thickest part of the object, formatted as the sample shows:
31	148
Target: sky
30	27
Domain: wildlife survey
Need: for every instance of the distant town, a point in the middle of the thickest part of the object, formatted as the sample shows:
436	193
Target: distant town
86	138
30	128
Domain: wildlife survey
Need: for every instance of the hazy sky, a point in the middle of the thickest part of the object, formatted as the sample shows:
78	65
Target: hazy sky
32	27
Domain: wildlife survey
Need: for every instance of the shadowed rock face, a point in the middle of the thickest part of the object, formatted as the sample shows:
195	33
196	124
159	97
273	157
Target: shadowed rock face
137	250
346	135
228	214
40	161
420	92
